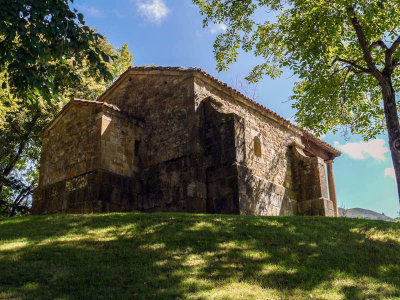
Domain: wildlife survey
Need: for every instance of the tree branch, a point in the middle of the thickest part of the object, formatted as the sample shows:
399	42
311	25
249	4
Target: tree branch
343	90
24	140
396	62
336	72
394	46
378	43
7	170
364	44
21	196
353	64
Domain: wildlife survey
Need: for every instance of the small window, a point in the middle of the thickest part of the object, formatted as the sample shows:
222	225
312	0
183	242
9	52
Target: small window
257	146
137	144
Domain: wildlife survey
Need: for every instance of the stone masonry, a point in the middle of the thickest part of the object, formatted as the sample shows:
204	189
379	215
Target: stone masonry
177	139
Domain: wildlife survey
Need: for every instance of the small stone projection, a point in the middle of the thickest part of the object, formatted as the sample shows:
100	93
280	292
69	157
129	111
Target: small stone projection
177	139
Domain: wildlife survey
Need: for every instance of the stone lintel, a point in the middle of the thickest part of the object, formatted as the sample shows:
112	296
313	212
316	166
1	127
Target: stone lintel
297	145
213	100
316	149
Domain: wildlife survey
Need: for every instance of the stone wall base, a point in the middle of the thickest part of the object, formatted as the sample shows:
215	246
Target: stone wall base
101	191
93	192
316	207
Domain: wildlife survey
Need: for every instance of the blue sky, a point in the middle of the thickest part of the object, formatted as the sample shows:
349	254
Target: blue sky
171	33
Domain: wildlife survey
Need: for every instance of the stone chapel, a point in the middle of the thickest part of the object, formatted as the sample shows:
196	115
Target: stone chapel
178	139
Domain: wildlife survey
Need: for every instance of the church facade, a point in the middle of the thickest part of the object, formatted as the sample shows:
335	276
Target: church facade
177	139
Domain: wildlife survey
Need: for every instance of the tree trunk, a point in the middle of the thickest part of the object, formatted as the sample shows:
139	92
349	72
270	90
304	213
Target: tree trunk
23	142
392	123
22	196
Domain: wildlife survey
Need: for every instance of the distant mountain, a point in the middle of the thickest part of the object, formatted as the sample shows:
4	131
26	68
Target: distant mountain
363	214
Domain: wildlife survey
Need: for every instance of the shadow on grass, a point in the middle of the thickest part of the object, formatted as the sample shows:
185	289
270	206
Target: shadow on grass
172	256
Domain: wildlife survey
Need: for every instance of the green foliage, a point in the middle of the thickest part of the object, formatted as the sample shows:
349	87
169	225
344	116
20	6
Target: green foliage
196	256
122	61
90	86
317	40
20	152
37	38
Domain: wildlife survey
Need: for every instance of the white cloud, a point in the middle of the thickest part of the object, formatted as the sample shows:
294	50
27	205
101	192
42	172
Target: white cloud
390	173
362	150
89	10
218	27
154	10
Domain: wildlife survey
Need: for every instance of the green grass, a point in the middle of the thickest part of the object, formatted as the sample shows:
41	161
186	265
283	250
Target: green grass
185	256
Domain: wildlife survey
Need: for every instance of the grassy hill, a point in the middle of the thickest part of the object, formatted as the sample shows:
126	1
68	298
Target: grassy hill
185	256
363	213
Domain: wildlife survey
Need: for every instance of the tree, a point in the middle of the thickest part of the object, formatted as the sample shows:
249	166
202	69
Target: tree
21	123
122	61
345	54
19	153
37	37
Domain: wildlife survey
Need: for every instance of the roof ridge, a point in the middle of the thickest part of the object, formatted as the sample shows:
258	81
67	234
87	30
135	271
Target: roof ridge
94	102
114	107
82	102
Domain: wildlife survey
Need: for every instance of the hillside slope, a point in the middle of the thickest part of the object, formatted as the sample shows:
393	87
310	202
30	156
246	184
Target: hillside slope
185	256
363	213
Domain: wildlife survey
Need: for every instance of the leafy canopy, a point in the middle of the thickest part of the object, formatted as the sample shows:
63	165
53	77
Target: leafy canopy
317	41
37	37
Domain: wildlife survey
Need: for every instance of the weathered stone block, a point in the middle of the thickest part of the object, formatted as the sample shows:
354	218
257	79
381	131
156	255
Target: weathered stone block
102	191
316	207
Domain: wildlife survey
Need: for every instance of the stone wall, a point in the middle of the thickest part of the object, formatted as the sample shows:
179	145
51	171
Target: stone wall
71	145
95	191
89	162
171	168
163	102
310	181
221	137
120	135
85	138
265	181
174	185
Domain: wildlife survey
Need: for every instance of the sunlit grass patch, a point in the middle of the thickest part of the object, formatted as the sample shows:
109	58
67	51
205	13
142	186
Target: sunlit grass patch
201	225
14	245
194	256
239	290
